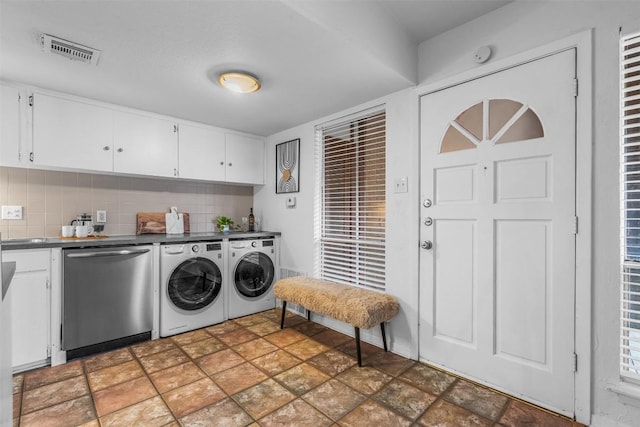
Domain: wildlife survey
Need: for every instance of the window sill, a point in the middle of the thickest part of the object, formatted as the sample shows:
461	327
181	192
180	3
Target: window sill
628	394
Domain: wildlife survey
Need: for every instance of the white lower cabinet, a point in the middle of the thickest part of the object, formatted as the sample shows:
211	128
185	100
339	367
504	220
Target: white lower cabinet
30	298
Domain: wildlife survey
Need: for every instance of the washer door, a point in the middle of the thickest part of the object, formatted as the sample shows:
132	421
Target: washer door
254	274
194	284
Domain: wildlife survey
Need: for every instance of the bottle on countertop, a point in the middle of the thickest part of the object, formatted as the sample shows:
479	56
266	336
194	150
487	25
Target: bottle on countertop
252	221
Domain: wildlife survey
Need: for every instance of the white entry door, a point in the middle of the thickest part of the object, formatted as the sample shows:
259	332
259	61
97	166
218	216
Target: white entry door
498	207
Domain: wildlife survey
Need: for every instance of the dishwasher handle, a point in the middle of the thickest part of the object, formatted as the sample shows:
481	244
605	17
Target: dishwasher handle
108	253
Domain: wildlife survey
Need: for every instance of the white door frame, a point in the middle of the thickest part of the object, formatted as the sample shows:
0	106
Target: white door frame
582	42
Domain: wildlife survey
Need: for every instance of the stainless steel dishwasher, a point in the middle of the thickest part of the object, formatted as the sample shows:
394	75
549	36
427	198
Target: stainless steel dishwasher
107	298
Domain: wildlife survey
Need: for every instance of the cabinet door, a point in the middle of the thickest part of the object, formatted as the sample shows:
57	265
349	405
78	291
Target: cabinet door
30	307
11	152
245	159
71	134
201	153
144	145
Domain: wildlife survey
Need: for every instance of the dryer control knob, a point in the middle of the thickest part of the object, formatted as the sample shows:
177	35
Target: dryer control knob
254	244
195	249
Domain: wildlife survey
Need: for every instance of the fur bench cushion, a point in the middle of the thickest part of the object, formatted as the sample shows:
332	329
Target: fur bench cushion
359	307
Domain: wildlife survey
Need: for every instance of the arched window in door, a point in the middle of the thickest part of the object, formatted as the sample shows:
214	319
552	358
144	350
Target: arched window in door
495	120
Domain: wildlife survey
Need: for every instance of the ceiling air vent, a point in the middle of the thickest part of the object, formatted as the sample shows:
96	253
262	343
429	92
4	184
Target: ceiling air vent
70	50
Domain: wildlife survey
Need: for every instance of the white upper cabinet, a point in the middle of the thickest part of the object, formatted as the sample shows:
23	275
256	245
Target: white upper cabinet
201	153
144	145
244	159
11	148
71	134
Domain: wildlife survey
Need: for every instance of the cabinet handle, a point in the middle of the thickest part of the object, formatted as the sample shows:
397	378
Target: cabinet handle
106	148
221	163
230	164
120	150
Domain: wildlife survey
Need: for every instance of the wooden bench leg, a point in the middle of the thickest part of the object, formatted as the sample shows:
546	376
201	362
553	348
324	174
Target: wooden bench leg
284	311
358	346
384	336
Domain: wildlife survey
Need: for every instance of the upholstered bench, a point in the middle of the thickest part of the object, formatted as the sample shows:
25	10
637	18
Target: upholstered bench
359	307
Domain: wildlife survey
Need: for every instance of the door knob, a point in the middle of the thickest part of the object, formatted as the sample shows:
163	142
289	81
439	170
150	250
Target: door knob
427	203
428	221
426	244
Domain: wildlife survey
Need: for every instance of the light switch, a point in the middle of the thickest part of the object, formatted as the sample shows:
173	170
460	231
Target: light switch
401	185
11	212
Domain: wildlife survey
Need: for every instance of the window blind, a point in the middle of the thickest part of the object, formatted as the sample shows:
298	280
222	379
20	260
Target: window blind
353	201
630	205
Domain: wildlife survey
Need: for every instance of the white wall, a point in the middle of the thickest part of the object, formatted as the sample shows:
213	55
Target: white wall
297	247
518	27
511	30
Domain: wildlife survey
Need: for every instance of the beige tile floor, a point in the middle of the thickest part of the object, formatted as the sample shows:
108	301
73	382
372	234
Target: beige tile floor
248	372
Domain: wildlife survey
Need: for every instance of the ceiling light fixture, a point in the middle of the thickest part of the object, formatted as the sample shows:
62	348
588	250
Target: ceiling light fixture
239	81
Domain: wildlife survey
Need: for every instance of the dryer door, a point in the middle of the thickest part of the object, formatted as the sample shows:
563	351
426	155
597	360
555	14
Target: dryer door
194	284
254	274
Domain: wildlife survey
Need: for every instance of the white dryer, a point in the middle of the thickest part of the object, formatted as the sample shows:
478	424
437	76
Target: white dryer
253	267
192	286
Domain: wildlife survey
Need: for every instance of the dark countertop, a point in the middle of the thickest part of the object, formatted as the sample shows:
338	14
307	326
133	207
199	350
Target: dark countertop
140	239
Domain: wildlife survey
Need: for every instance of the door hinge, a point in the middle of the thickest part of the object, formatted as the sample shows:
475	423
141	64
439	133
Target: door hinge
574	362
575	225
575	87
175	128
49	350
48	283
30	100
31	156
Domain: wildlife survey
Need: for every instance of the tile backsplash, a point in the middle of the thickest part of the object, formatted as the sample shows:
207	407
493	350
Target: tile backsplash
52	199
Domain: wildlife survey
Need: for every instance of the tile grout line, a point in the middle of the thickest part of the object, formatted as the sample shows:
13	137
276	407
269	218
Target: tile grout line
298	327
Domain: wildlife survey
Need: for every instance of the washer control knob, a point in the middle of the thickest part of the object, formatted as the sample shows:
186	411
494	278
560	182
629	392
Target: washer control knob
254	244
195	249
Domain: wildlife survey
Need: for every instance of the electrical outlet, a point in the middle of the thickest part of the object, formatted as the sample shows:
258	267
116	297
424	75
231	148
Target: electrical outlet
11	212
401	185
291	202
101	216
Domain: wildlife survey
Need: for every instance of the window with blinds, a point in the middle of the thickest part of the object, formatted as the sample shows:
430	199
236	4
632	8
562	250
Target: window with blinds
630	205
352	200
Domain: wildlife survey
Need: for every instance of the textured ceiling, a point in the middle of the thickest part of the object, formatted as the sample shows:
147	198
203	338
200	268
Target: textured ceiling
314	57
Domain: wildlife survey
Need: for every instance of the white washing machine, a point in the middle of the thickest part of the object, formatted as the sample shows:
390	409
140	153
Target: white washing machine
253	267
191	286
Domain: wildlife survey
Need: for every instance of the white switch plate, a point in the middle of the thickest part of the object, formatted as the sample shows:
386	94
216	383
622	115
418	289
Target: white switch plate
401	185
291	202
101	216
11	212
